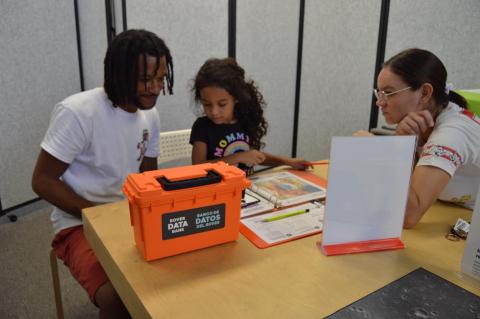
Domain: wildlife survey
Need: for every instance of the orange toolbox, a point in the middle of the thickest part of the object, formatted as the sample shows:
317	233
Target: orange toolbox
181	209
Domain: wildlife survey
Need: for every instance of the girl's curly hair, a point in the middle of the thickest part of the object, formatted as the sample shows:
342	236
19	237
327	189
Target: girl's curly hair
249	103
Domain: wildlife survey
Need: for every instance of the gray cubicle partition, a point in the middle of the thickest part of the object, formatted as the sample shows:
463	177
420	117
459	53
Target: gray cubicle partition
448	28
119	8
39	62
39	67
194	31
339	47
93	37
267	37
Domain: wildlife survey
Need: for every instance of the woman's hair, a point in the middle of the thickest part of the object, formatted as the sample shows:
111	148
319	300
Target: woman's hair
249	103
121	64
417	66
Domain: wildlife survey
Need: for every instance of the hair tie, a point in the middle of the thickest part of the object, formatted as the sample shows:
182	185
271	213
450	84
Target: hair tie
448	88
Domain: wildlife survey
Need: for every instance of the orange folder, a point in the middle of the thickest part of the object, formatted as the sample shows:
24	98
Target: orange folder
259	242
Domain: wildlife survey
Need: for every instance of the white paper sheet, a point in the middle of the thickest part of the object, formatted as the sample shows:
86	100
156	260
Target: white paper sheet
368	182
287	228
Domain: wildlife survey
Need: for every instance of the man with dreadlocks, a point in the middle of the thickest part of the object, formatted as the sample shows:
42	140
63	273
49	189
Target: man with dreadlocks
92	143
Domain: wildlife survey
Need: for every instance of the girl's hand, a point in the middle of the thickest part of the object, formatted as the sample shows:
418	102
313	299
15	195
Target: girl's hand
362	133
251	157
297	163
415	123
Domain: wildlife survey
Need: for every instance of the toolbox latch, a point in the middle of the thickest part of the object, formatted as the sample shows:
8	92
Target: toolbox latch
212	177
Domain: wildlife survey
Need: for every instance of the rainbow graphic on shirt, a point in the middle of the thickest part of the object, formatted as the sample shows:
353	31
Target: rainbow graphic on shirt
232	143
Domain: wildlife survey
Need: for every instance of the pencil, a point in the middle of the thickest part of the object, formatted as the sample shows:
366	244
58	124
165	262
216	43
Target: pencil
316	163
271	219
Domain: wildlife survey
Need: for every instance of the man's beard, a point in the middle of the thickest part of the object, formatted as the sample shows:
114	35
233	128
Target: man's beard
136	102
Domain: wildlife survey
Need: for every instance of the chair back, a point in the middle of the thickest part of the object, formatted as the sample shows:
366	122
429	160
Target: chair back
174	145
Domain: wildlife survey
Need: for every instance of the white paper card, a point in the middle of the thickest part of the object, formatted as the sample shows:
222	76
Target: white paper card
287	228
471	254
368	182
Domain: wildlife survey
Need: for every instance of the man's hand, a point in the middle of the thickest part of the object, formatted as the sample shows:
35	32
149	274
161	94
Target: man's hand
47	184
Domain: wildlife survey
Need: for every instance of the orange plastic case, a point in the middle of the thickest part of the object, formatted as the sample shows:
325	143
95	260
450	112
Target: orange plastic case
181	209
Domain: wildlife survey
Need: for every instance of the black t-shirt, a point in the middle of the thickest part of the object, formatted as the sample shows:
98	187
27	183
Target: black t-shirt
221	139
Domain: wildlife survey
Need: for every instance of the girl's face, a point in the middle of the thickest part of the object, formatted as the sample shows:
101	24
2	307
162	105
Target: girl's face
396	106
218	105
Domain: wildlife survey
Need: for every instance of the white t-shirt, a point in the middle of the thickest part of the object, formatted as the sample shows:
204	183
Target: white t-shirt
454	146
102	144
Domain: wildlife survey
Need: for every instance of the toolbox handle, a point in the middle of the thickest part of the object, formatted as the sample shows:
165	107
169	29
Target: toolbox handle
212	177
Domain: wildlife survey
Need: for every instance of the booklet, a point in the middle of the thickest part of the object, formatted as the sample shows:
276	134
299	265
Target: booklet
282	206
285	188
253	204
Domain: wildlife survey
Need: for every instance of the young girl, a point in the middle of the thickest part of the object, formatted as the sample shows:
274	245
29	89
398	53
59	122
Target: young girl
234	125
412	93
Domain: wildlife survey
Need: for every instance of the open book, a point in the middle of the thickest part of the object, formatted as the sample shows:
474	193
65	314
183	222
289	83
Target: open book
282	206
281	189
253	204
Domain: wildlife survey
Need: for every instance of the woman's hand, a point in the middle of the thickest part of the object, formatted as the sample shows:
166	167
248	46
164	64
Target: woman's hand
362	133
415	123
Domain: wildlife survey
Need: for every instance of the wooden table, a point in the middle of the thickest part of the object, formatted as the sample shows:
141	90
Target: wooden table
238	280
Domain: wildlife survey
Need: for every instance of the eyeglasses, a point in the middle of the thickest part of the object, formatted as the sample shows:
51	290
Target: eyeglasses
382	95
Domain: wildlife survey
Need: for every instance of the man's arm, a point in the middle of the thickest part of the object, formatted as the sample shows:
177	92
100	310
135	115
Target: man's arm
148	164
47	184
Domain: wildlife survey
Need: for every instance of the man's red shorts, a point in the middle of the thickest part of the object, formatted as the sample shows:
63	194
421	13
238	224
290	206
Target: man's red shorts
71	246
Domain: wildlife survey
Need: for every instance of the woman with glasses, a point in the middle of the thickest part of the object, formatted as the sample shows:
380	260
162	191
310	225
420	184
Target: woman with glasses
413	94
